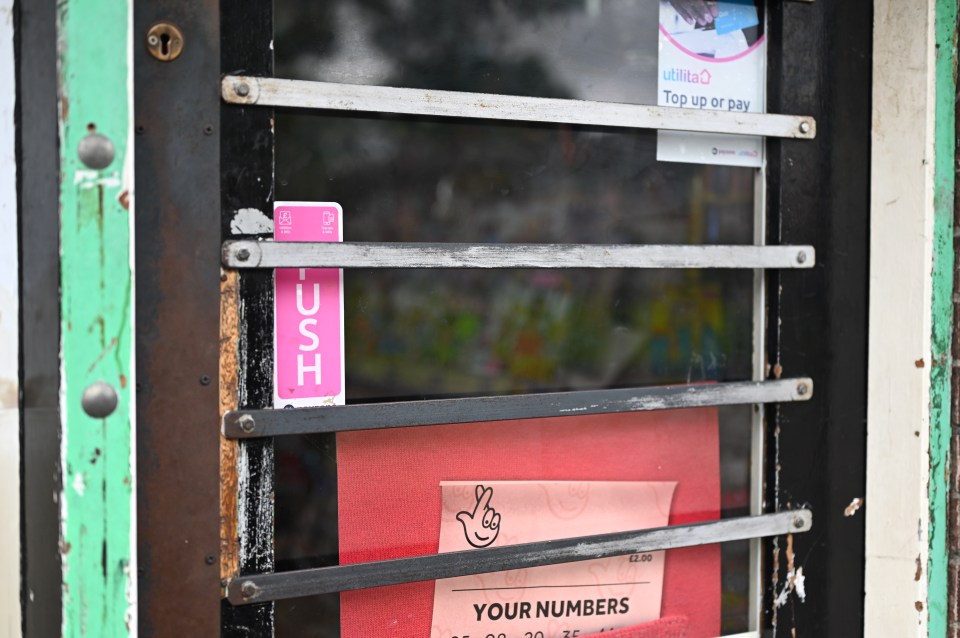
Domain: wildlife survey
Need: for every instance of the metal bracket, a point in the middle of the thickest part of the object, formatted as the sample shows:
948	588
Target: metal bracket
247	90
244	590
254	254
241	424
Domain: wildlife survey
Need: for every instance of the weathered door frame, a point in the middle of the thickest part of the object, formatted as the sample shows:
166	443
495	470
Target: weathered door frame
911	318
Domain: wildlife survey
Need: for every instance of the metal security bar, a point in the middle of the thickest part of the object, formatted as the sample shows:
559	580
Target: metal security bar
347	418
308	582
236	89
255	254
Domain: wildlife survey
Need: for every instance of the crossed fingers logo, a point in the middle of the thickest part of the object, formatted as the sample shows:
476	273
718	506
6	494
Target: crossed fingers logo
482	525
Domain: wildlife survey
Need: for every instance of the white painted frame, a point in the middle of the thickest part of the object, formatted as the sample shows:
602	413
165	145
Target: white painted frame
10	612
901	286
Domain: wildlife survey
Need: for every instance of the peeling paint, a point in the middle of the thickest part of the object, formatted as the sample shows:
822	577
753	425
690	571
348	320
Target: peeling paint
853	507
79	485
941	314
91	179
800	585
250	221
97	499
795	581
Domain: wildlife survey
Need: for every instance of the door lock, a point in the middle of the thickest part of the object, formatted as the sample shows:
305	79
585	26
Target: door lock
165	41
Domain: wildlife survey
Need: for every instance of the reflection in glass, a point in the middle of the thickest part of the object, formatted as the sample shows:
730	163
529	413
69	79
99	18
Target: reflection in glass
584	49
445	333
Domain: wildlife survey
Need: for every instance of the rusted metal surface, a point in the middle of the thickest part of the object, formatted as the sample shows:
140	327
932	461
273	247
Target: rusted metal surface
177	262
229	397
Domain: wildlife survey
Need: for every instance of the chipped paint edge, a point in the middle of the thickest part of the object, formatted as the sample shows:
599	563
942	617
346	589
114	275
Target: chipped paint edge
95	80
942	314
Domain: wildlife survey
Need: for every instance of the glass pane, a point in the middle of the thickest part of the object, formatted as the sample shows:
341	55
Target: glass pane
442	334
586	49
419	334
446	333
401	179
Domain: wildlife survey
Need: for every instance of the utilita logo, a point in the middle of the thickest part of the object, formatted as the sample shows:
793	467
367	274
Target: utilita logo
687	76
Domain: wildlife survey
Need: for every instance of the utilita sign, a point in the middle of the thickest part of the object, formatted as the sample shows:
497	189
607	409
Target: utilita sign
308	317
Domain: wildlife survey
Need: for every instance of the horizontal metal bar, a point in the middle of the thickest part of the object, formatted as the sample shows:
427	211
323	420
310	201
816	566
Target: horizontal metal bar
241	424
269	254
324	580
238	89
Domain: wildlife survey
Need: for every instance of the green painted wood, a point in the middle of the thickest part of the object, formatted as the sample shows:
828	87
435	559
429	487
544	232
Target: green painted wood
942	314
96	506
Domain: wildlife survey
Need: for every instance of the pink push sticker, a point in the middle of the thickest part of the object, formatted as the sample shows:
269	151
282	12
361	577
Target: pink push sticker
308	318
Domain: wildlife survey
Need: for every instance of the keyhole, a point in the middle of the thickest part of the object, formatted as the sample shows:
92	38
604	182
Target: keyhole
165	41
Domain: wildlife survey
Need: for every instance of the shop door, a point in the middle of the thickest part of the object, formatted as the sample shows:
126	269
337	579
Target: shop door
560	324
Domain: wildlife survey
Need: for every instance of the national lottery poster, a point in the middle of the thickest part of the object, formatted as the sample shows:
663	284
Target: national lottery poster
465	487
712	56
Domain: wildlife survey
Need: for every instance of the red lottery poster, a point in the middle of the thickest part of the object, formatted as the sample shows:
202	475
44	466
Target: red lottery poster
536	479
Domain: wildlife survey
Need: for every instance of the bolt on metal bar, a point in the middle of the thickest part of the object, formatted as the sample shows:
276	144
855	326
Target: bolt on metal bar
268	254
247	90
241	424
308	582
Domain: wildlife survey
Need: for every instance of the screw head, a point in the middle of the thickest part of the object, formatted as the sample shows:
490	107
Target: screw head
153	40
243	254
249	589
798	523
802	389
204	379
801	257
96	151
242	89
805	127
99	400
210	559
247	423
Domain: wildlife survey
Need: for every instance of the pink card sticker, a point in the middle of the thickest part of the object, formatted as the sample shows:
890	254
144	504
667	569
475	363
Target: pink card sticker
308	317
573	599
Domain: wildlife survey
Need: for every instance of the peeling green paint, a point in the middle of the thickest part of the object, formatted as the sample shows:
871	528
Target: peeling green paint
96	507
942	314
